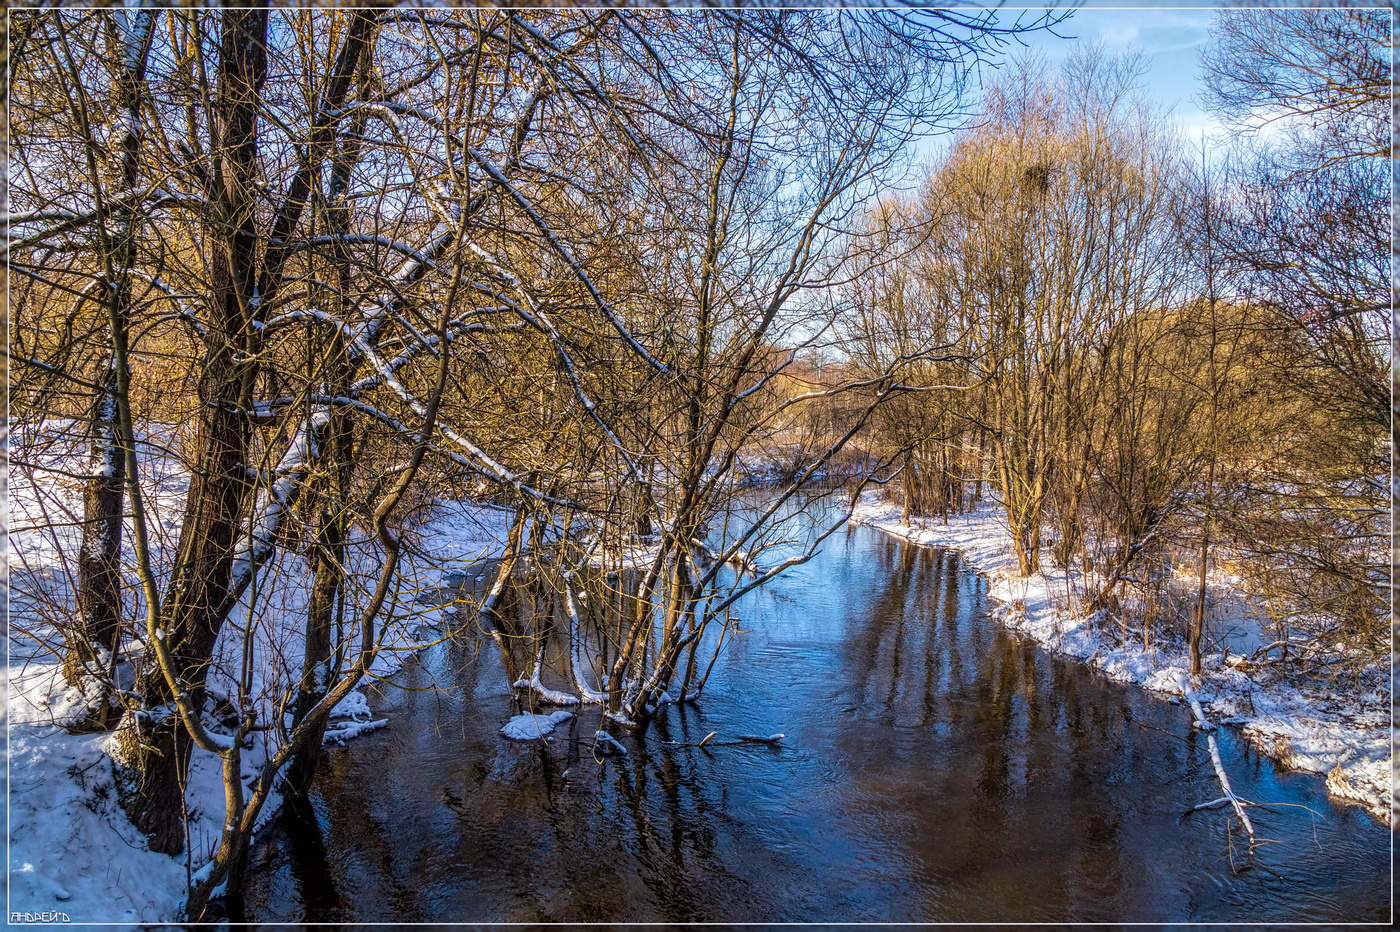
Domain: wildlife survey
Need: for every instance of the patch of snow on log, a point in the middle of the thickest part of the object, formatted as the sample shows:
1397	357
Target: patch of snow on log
530	726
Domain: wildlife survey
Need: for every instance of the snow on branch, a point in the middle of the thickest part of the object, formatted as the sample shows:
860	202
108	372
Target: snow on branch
275	501
366	239
412	269
567	255
567	58
540	320
587	694
430	343
53	221
483	461
542	692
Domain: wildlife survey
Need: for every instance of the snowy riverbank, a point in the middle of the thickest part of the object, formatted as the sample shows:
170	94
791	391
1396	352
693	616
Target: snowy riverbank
74	856
1343	734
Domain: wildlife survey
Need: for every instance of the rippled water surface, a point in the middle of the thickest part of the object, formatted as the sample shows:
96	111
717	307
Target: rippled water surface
935	768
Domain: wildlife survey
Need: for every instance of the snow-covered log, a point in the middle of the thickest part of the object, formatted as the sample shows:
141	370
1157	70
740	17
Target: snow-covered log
530	726
339	734
1204	725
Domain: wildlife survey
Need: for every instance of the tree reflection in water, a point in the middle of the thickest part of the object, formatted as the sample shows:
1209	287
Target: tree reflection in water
936	768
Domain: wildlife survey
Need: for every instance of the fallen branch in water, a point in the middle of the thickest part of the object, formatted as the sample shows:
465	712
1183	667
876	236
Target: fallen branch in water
1213	804
1204	724
770	740
606	744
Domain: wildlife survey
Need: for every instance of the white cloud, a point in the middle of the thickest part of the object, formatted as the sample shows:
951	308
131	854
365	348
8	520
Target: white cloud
1120	34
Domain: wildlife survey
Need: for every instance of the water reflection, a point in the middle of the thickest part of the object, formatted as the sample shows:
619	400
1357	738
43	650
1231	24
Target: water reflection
935	768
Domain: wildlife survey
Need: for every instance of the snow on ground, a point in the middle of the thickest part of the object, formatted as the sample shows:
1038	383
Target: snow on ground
462	534
634	556
1343	734
72	849
532	726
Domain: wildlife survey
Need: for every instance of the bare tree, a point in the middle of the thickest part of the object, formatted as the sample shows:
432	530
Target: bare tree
1307	237
568	260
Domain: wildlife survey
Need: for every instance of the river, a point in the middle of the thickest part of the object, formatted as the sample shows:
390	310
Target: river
935	768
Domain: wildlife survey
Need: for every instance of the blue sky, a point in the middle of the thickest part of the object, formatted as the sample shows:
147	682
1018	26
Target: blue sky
1171	41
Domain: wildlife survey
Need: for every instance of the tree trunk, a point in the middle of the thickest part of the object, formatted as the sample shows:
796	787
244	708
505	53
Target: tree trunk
1198	622
338	445
89	651
99	579
153	756
327	558
491	615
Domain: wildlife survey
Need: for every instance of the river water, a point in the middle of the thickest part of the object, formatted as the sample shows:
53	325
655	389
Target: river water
936	768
